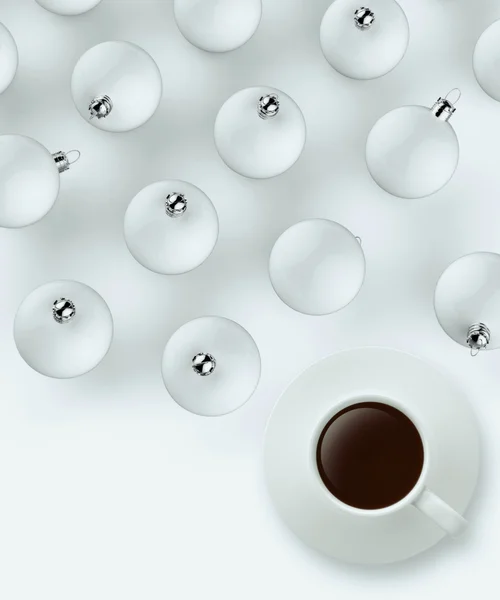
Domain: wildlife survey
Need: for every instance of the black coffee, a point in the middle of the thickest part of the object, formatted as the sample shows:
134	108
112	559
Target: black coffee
370	455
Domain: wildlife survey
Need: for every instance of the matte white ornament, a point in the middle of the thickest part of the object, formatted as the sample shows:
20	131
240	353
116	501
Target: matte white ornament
68	7
260	132
211	366
218	25
467	301
29	179
364	42
486	60
413	151
8	58
317	267
116	86
63	329
171	227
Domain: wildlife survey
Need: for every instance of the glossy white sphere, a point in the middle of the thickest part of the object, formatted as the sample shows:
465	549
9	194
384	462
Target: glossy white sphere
317	267
68	7
468	292
8	58
63	350
411	153
166	244
236	374
364	53
218	25
29	181
486	61
127	75
256	147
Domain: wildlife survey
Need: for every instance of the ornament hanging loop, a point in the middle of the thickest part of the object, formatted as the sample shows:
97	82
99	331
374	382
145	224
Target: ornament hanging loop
78	156
459	95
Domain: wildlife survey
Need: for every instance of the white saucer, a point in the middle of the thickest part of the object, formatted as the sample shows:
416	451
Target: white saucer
309	511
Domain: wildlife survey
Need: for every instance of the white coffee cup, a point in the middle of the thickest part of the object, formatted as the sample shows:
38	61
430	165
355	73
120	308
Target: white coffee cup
434	506
421	497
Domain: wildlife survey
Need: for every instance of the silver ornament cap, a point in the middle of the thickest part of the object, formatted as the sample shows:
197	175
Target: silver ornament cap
63	310
478	338
175	205
444	108
100	107
204	364
63	163
269	106
364	18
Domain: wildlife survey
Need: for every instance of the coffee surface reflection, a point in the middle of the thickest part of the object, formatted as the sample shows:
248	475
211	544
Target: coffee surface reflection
370	455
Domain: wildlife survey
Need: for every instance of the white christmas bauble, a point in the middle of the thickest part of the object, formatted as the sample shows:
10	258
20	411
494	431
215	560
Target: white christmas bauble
486	61
116	86
171	227
68	7
218	25
8	58
29	181
413	151
211	366
260	132
317	267
467	295
364	42
63	329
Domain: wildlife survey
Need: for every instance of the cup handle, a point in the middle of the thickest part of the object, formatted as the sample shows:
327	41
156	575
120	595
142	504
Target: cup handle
441	513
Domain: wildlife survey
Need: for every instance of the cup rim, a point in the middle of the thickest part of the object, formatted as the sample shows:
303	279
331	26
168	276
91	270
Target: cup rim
411	496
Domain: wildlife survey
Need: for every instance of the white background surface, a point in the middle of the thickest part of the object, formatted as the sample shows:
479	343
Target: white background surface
109	490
